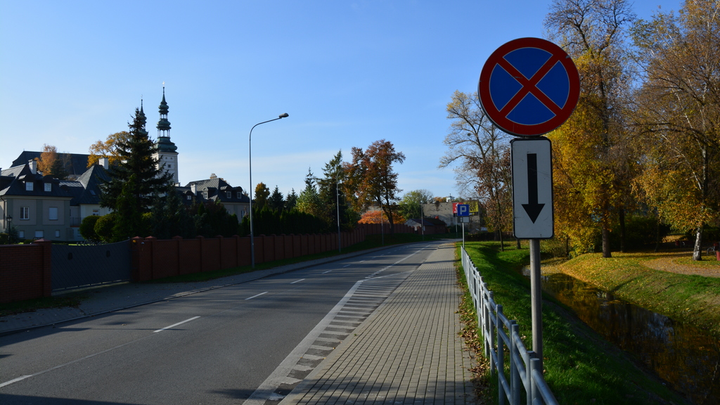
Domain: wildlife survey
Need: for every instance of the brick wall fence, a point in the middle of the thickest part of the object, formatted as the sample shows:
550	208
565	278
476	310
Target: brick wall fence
26	270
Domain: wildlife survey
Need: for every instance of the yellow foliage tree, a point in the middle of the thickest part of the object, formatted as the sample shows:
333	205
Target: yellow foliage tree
592	163
107	148
678	116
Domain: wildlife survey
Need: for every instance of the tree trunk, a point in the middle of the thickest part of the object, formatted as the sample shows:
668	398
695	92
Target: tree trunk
606	253
697	250
621	214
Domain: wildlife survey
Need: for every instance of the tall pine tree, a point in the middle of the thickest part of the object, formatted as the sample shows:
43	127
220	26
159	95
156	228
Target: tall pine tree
135	179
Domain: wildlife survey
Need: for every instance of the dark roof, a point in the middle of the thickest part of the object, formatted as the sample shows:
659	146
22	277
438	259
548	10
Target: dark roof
90	184
75	164
215	189
16	185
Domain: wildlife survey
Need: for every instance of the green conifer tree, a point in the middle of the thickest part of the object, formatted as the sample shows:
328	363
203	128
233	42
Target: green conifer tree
136	158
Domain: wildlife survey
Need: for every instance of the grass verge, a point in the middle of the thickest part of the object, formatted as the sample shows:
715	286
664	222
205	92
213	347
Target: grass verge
18	307
580	367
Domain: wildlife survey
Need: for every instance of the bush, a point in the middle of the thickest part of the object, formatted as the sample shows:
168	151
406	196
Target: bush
104	227
87	228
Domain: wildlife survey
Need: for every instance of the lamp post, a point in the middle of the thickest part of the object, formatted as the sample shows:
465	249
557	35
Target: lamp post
337	206
8	225
252	235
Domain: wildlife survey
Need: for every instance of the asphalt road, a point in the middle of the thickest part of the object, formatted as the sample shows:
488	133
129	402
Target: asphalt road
231	345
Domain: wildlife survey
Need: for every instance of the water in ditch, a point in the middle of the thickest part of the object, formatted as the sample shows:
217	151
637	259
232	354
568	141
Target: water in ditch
684	356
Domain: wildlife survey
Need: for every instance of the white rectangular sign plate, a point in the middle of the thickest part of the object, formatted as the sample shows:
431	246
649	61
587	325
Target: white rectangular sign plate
532	188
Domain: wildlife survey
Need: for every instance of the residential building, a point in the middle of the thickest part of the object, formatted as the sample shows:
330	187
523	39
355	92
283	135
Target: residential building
218	190
36	206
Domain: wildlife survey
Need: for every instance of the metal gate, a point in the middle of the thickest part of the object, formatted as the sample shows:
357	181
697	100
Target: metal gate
85	266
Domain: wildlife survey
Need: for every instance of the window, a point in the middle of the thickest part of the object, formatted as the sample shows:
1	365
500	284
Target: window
39	234
48	187
24	213
239	195
229	194
21	234
28	186
57	234
53	213
189	197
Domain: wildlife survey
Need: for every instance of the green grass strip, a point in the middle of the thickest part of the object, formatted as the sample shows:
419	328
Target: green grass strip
580	367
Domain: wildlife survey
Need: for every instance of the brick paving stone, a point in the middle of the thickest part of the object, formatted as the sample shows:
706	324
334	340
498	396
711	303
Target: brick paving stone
408	351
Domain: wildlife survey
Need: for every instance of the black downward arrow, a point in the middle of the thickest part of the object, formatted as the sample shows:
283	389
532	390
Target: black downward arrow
532	208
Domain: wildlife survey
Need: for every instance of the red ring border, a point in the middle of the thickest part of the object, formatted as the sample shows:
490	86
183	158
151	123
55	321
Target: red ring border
521	129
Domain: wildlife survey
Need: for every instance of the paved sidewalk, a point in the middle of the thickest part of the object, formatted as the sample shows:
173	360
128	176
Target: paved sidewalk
407	352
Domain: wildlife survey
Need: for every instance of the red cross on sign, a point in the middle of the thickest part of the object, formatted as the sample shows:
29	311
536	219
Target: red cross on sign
529	86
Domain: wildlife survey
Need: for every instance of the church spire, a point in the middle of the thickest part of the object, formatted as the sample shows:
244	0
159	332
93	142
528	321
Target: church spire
166	154
163	126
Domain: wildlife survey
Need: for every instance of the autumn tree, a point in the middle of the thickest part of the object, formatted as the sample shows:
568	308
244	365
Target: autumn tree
109	148
370	177
50	164
379	217
592	166
482	152
262	193
678	116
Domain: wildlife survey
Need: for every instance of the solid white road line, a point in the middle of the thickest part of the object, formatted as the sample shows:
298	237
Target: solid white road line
15	380
176	324
256	295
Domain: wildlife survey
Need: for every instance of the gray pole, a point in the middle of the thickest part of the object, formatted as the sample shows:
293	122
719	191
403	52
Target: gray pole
252	235
536	298
337	205
422	221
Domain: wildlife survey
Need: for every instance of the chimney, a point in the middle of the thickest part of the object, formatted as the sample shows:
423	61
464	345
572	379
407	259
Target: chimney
33	166
104	162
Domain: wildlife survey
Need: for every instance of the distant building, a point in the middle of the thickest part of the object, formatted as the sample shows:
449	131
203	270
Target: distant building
217	189
444	212
45	207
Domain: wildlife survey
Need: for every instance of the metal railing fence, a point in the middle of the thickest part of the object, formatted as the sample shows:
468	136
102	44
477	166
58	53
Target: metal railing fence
525	382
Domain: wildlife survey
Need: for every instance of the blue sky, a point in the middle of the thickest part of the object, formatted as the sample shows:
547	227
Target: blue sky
347	72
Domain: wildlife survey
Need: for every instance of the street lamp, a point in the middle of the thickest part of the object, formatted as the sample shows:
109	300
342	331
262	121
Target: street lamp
252	235
337	206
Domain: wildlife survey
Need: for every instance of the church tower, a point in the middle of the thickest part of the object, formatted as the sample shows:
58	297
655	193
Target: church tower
167	155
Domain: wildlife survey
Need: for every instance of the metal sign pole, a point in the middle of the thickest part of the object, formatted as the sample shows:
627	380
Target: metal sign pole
536	299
